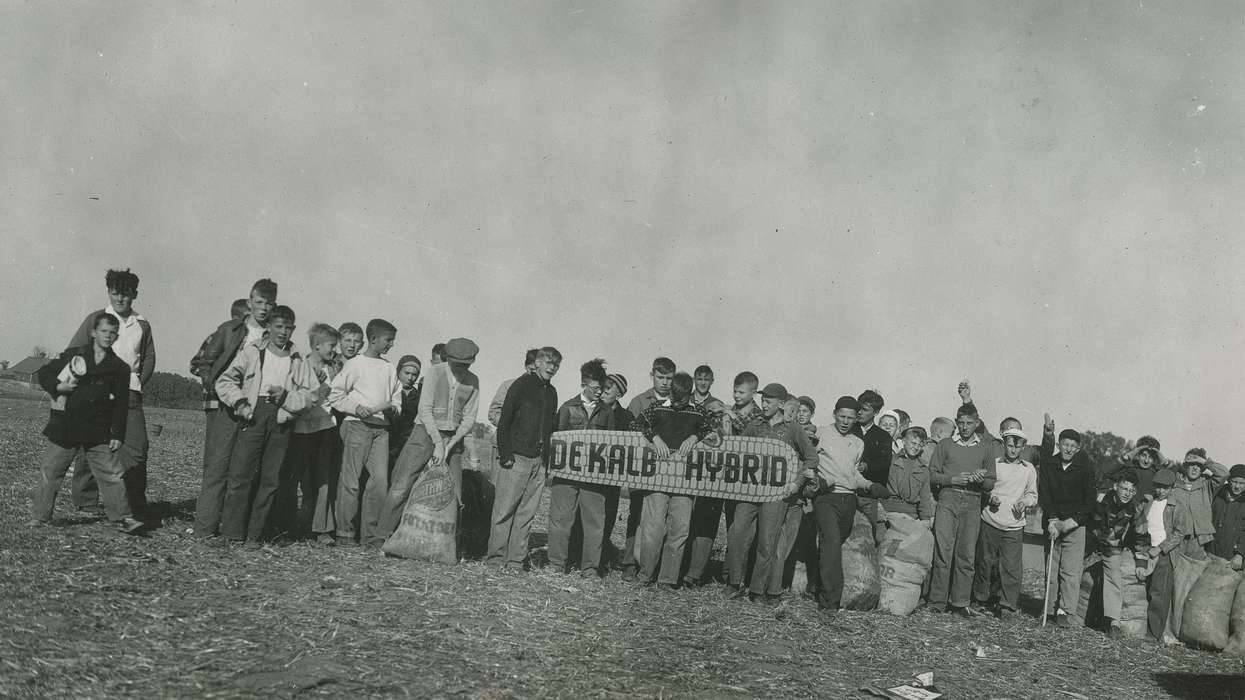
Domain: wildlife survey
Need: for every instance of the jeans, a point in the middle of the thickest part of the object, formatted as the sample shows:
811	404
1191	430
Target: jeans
102	461
787	537
1159	596
766	523
222	432
133	458
568	500
635	513
706	514
517	496
663	533
1111	561
365	448
260	449
1069	562
957	522
1005	549
835	513
415	456
741	535
311	468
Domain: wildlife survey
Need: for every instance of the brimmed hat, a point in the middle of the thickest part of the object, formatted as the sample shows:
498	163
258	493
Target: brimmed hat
461	350
888	412
775	391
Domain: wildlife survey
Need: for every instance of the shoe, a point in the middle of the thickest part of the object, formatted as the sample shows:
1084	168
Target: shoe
343	541
130	526
96	510
630	574
324	539
253	545
692	583
735	592
35	522
935	608
215	541
1061	620
960	612
980	608
1005	613
1115	631
773	601
669	586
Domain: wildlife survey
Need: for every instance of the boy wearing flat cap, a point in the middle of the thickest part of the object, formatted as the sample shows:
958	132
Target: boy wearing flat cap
1067	490
409	368
1156	539
448	402
1228	514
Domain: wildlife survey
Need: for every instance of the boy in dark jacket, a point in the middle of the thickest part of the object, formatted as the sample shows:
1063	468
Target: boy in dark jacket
1228	513
568	498
1111	524
1066	491
93	420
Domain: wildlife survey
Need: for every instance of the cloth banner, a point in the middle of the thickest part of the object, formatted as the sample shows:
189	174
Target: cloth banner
739	468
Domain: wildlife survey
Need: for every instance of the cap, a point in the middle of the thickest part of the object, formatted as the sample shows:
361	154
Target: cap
409	360
1015	432
888	412
808	401
1070	434
775	391
1237	471
461	350
620	381
847	402
1164	477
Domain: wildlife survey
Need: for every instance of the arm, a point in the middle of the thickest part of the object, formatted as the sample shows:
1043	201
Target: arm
937	467
1030	495
992	472
49	374
148	362
564	417
807	453
644	423
82	336
196	362
494	406
229	383
925	504
707	431
1218	472
505	421
304	392
201	363
120	407
339	394
470	409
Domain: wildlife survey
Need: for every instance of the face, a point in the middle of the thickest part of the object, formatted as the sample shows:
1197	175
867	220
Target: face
352	343
1192	471
1145	460
1161	492
661	382
260	306
889	424
610	393
382	342
743	394
123	302
913	444
966	425
1125	491
592	389
105	334
324	349
844	419
1012	446
866	414
408	374
940	431
1236	486
703	382
546	367
771	407
1068	449
280	330
803	415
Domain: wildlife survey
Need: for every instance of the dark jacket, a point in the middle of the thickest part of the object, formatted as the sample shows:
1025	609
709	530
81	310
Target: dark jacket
674	424
1229	518
1069	493
528	416
573	415
879	450
96	411
217	352
1112	523
146	348
621	418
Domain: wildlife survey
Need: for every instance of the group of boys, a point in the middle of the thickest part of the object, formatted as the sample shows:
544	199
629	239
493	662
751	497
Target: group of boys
351	434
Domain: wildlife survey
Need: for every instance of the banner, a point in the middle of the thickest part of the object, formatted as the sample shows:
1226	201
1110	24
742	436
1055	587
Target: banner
739	469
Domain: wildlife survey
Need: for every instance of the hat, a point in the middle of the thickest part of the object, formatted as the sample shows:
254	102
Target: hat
1069	434
919	431
619	381
807	401
847	402
1164	477
892	414
1015	432
409	360
775	391
461	350
1237	471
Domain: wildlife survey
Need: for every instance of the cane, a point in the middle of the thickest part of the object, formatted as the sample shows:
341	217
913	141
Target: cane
1050	560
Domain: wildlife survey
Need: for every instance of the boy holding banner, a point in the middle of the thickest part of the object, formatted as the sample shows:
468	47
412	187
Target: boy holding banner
662	373
584	411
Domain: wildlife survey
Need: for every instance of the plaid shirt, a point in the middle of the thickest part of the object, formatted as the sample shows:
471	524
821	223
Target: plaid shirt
1112	522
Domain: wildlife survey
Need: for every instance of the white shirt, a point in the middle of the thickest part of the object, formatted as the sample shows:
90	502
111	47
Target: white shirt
275	370
254	332
129	342
1154	522
366	381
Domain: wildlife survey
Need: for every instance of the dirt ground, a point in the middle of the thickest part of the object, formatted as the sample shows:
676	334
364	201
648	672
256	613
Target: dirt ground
88	612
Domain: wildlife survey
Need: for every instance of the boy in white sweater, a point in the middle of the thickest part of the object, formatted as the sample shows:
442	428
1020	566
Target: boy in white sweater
1002	528
367	392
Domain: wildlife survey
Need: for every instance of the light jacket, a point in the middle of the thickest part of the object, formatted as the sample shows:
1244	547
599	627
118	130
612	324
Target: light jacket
241	380
440	411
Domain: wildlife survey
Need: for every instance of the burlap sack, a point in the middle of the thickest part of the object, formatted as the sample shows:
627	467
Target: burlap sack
1204	624
1236	623
861	586
1185	572
903	563
429	525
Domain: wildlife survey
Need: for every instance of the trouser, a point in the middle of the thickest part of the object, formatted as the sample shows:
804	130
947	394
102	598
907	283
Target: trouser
957	521
365	448
635	513
568	499
218	442
311	468
663	533
412	461
1111	562
768	522
1069	562
1004	549
260	450
132	456
835	513
1159	596
741	535
102	461
868	506
517	496
787	537
706	514
806	549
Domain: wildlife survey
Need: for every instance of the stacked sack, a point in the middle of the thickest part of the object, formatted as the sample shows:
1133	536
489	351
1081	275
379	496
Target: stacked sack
1134	611
903	563
1209	613
861	586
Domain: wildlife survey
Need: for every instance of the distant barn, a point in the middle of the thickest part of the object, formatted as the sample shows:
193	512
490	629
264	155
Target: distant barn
26	371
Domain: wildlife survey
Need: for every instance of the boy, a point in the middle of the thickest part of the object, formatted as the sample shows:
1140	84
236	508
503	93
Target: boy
1156	541
499	398
702	379
437	354
367	393
351	340
621	420
1192	496
94	420
908	480
408	376
804	417
661	373
672	429
1001	541
265	386
222	429
136	348
314	444
584	411
1066	493
876	460
528	416
446	413
237	312
1111	524
704	529
765	522
834	501
1228	516
962	468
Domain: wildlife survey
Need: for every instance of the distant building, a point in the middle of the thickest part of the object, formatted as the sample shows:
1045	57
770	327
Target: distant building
26	371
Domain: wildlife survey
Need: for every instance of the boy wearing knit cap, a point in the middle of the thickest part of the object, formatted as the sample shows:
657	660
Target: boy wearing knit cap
1001	541
621	420
408	376
1066	492
446	413
1228	515
568	498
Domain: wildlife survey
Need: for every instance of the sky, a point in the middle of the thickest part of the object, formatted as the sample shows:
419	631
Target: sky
1036	196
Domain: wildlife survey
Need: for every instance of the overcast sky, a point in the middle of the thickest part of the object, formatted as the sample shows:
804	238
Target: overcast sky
1043	197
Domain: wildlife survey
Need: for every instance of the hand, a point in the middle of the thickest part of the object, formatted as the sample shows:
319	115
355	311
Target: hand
363	412
506	464
1018	509
680	454
928	523
1154	552
277	394
809	474
959	480
1238	562
659	446
965	391
1068	525
1052	529
791	490
114	445
861	467
66	388
1048	424
243	409
438	453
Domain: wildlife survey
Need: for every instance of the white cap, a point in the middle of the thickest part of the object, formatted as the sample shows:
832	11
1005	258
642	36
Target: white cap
1015	432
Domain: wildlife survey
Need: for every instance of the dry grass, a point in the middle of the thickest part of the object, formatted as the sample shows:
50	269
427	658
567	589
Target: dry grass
89	613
